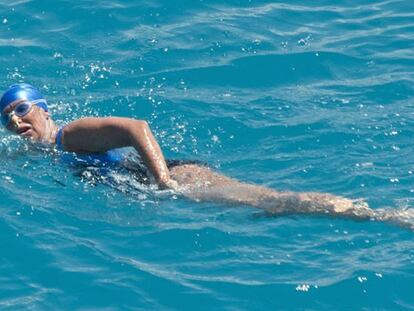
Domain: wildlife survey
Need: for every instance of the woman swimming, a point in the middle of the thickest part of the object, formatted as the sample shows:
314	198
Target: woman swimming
24	112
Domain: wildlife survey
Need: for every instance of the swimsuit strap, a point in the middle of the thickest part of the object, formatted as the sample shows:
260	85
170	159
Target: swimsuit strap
58	140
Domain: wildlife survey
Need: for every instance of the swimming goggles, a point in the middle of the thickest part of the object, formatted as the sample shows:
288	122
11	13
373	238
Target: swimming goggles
21	109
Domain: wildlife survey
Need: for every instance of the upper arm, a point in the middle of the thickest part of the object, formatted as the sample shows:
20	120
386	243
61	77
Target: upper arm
99	134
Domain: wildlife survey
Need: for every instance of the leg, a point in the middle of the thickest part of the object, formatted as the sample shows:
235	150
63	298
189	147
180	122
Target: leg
201	184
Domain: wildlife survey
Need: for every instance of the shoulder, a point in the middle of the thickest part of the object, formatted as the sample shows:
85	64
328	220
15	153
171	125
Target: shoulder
94	123
90	122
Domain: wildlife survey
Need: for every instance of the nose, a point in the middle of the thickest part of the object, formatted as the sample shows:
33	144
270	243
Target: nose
14	121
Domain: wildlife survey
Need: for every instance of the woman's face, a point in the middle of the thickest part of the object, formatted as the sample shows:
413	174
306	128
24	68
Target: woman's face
33	125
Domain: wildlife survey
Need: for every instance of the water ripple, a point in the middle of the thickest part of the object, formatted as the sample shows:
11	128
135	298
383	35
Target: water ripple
297	96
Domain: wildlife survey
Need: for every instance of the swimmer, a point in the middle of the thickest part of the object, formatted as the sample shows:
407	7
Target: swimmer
24	112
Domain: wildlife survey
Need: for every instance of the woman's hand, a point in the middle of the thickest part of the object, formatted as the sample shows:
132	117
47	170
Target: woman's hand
168	184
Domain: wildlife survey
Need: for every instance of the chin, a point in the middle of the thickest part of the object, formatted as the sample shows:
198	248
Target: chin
32	136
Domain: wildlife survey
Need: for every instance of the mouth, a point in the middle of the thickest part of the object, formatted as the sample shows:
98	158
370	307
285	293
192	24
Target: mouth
24	131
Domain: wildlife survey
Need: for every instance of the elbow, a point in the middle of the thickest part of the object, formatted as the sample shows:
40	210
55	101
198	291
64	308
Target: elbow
137	129
141	126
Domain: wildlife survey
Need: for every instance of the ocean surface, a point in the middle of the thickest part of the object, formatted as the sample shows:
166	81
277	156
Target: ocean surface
292	95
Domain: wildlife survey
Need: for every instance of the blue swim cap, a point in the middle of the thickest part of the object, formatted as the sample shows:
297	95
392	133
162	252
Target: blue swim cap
21	91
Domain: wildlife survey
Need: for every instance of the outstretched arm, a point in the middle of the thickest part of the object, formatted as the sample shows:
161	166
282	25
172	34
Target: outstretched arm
94	135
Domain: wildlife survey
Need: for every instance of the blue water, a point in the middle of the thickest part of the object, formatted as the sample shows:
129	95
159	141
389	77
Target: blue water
293	95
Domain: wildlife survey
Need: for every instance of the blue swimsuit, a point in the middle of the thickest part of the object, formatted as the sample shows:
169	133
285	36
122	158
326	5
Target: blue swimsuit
108	158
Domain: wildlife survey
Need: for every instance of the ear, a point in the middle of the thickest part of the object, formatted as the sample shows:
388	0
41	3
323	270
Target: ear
46	114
